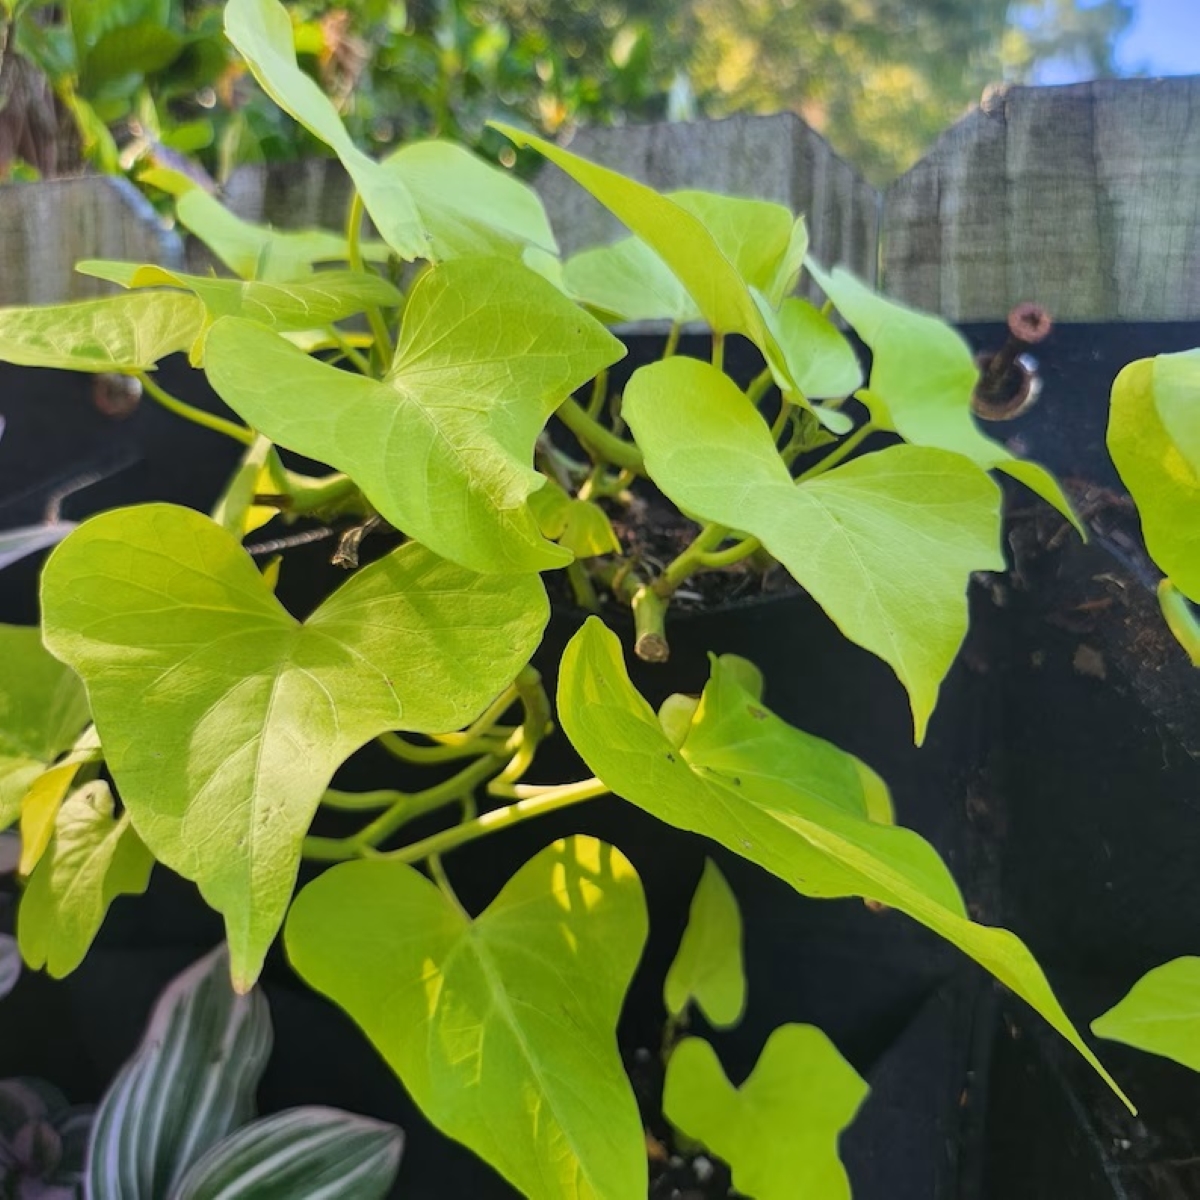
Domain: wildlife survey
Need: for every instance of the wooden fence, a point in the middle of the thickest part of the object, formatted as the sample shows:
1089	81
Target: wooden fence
1084	198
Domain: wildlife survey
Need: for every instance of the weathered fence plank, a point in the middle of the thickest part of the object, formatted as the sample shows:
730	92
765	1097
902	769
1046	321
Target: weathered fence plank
1085	198
45	228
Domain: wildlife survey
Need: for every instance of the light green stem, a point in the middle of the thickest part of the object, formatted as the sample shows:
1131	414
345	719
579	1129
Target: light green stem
718	351
845	447
196	415
500	818
672	340
379	329
706	541
599	440
758	386
731	554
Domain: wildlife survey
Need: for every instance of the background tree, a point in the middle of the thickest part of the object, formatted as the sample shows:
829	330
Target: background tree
880	78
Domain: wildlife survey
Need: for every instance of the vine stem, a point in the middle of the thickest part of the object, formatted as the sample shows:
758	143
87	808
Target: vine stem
383	341
593	435
838	453
197	416
499	818
691	559
407	807
672	343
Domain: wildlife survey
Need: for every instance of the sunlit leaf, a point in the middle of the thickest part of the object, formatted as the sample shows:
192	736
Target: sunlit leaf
708	967
763	241
261	30
235	510
1154	440
779	1131
580	526
627	281
502	1028
42	709
223	718
254	251
727	784
886	544
321	299
189	1084
469	206
118	333
922	377
820	361
1160	1014
1180	619
93	858
675	234
311	1152
444	447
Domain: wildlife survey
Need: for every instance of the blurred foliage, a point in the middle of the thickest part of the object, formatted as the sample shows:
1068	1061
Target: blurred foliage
119	83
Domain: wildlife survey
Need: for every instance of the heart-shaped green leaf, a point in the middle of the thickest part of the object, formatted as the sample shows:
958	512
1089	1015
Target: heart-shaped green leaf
885	544
627	281
708	966
305	1152
189	1084
820	361
262	32
729	782
223	718
580	526
922	377
502	1028
252	251
763	241
92	859
42	709
672	231
779	1131
118	333
444	447
1160	1014
1154	440
467	205
321	299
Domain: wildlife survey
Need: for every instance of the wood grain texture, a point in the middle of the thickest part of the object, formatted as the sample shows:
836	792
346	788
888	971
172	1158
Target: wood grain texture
45	228
1084	198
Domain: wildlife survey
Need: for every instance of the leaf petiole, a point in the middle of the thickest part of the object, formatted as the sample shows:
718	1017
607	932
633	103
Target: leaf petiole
197	416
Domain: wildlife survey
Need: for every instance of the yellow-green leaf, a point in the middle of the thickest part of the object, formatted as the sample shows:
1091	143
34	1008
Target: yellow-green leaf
922	377
125	333
92	859
42	709
886	544
708	967
469	206
1180	619
261	30
731	784
223	718
501	1028
779	1131
1154	440
321	299
444	447
1161	1013
627	281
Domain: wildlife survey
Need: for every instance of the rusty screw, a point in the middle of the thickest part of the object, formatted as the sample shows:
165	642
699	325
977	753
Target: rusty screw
1007	387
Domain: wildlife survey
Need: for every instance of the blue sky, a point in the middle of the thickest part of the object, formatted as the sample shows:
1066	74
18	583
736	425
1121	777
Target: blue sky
1164	38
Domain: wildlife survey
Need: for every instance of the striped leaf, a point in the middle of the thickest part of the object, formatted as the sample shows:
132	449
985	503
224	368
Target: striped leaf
303	1154
10	964
190	1083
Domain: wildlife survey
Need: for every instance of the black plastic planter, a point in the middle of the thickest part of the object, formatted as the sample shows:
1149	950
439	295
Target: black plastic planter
1019	753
